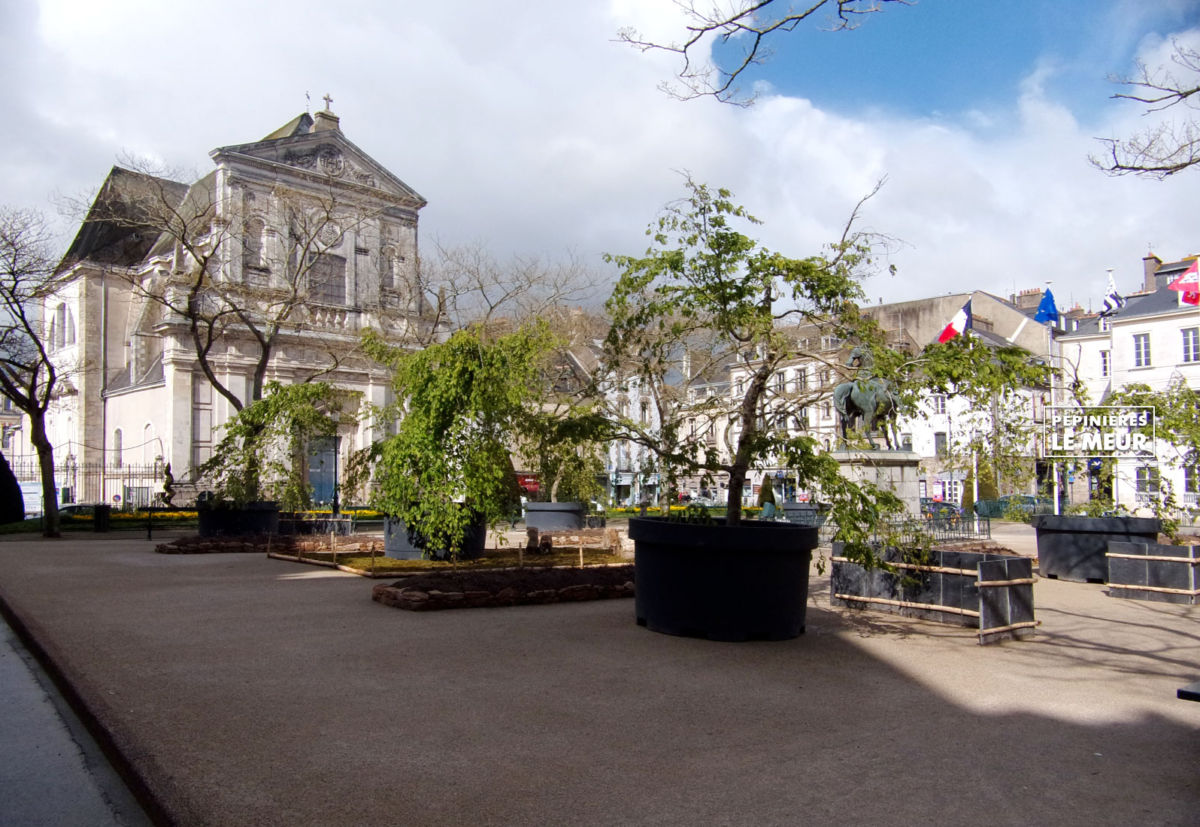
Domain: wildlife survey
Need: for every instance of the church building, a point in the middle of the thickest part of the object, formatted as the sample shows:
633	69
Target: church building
187	298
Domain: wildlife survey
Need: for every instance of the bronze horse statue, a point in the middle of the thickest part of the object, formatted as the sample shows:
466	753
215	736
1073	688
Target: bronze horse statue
869	398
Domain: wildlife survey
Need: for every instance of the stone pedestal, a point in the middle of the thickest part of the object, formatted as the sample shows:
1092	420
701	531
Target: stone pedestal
895	471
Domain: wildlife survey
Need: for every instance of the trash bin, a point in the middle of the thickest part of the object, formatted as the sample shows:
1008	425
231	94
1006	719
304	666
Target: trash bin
101	517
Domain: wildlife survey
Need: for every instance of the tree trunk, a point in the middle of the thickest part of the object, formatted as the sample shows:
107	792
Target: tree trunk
742	456
45	452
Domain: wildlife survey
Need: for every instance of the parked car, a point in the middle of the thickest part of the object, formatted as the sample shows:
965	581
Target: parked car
77	510
1024	504
940	512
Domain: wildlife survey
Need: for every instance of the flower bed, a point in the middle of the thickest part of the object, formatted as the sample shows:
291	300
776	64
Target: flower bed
512	587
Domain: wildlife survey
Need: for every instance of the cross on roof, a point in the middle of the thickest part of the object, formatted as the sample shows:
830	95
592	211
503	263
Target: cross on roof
328	101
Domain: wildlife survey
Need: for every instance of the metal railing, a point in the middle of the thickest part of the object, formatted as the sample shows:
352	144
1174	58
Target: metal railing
127	486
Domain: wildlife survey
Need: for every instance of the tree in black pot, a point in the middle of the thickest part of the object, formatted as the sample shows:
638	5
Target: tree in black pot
705	281
257	467
462	408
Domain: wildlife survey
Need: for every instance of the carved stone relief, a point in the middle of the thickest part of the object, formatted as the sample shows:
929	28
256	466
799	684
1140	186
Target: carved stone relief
330	161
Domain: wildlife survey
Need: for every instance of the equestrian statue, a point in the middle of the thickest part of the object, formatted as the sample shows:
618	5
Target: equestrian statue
867	398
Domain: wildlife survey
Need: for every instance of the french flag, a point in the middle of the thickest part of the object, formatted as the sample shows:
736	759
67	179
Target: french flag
959	324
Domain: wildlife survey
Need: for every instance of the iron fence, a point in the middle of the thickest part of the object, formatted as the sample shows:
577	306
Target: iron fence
123	486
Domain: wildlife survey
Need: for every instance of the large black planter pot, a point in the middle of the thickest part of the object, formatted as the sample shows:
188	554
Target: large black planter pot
1073	548
743	582
226	520
400	543
555	516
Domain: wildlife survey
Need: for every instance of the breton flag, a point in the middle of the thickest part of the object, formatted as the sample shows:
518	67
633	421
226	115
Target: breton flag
1112	299
1189	283
959	324
1047	311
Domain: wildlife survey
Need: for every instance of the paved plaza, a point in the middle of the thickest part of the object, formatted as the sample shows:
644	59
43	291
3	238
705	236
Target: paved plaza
243	690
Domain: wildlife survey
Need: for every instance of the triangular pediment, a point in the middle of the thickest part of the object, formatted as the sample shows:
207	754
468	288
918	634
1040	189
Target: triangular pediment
323	154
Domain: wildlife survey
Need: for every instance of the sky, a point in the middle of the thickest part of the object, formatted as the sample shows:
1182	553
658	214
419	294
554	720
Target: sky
532	132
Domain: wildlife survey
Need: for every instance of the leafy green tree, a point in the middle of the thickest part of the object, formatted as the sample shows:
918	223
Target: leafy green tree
1176	424
464	405
258	456
703	272
996	429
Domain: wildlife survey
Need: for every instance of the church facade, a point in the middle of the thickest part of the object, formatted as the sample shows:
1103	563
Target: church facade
187	299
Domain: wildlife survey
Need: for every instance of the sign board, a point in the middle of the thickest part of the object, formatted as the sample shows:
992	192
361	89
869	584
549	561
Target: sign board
1105	431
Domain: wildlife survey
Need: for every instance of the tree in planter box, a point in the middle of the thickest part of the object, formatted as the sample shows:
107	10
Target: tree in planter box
259	457
463	406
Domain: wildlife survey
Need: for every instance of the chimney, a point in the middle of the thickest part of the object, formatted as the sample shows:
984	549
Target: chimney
1150	265
1028	298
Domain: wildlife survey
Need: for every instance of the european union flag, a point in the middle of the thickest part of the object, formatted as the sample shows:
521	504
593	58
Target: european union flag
1047	311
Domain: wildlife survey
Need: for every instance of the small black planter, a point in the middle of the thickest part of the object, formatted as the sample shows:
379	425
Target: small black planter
228	520
401	543
555	516
743	582
1073	548
991	592
812	514
1149	571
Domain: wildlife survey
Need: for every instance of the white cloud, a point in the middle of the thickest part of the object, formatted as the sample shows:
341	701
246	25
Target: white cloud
528	127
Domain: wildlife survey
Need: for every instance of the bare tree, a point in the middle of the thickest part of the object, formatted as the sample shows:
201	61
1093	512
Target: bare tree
29	376
467	285
751	25
1170	145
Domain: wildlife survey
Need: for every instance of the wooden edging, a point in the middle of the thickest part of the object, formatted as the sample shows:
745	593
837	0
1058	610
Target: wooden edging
915	567
1163	558
1025	624
1163	589
1020	581
401	574
908	604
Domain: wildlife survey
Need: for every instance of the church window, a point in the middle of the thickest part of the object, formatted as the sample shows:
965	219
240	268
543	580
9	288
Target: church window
253	237
387	267
62	327
327	279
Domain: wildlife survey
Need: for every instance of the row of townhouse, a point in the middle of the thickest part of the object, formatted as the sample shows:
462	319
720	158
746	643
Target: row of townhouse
1153	340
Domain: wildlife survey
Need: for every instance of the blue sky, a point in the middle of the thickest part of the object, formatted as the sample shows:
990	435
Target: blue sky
936	58
533	133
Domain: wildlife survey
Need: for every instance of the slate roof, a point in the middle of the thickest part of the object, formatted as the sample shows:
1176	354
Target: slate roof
1138	305
110	233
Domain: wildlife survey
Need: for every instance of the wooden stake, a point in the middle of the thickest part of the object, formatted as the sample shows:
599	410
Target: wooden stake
1020	581
1027	624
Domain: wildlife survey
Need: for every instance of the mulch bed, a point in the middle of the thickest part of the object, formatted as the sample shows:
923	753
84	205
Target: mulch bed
283	544
509	587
